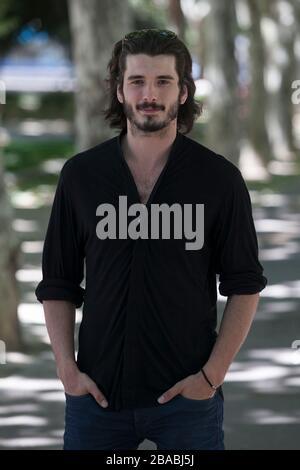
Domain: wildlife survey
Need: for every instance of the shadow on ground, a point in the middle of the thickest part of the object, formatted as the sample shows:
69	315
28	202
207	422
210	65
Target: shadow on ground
263	384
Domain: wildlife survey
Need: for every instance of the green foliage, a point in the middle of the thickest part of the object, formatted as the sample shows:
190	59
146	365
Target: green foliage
8	19
24	158
282	184
49	106
147	14
27	153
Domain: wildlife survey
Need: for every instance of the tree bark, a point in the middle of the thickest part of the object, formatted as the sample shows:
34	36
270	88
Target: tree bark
177	18
95	26
10	331
221	70
282	108
258	99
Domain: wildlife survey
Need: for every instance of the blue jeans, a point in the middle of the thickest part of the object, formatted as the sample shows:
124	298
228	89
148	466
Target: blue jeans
180	424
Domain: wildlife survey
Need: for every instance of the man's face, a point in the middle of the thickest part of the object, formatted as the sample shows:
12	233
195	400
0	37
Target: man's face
151	95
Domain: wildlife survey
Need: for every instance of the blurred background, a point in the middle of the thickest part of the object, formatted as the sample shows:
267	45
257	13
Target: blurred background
246	66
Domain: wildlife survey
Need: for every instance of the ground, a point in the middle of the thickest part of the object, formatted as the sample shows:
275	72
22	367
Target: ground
262	386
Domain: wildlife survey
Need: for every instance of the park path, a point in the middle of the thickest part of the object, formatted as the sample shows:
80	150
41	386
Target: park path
262	388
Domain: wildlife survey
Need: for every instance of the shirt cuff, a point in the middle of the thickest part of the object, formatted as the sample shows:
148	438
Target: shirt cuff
241	283
60	289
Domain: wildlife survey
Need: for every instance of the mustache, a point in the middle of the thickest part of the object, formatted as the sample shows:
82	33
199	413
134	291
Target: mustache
150	106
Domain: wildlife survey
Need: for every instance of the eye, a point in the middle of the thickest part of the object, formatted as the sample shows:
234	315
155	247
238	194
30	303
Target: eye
137	82
163	81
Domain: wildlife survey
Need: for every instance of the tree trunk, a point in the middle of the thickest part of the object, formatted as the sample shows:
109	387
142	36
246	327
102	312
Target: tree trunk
221	70
95	27
9	294
282	108
258	99
177	18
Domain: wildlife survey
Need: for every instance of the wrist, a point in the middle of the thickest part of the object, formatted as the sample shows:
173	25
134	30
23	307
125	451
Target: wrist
67	370
213	375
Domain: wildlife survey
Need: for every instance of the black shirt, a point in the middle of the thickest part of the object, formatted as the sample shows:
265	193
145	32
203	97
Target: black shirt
149	305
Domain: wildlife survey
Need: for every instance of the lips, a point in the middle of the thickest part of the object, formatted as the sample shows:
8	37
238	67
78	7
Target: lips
150	110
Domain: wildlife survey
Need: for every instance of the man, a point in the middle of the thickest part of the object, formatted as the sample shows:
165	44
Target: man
155	216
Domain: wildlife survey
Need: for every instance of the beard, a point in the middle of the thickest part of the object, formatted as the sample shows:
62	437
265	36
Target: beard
151	122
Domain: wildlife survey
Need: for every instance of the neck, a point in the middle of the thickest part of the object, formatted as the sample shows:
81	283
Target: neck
149	149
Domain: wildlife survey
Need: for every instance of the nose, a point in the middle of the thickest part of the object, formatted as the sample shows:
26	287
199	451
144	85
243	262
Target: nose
149	93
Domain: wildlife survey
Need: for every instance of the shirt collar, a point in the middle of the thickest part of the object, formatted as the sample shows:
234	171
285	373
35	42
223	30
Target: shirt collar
174	154
174	147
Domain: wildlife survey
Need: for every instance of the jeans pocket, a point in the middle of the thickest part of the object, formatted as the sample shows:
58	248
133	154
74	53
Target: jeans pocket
77	397
196	400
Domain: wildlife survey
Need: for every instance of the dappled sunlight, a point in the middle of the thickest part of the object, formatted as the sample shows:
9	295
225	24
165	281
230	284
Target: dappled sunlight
251	165
269	417
270	199
41	197
293	382
21	408
272	310
22	225
19	385
21	420
289	289
30	403
258	383
28	275
18	358
31	313
283	168
267	370
40	333
254	372
34	128
287	204
32	247
276	355
30	442
249	89
283	252
52	166
277	225
52	396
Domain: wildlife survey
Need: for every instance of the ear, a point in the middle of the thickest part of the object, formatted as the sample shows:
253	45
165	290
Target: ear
120	94
183	94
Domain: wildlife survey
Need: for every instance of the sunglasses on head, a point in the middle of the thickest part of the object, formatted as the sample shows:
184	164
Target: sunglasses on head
143	32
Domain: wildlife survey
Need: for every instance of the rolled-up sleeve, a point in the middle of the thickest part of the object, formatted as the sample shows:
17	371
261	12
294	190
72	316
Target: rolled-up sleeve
235	242
63	251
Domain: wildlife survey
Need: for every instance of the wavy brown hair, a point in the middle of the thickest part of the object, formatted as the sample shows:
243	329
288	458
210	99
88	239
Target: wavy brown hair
151	42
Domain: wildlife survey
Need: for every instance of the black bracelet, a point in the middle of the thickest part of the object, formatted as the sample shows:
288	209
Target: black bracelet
208	381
